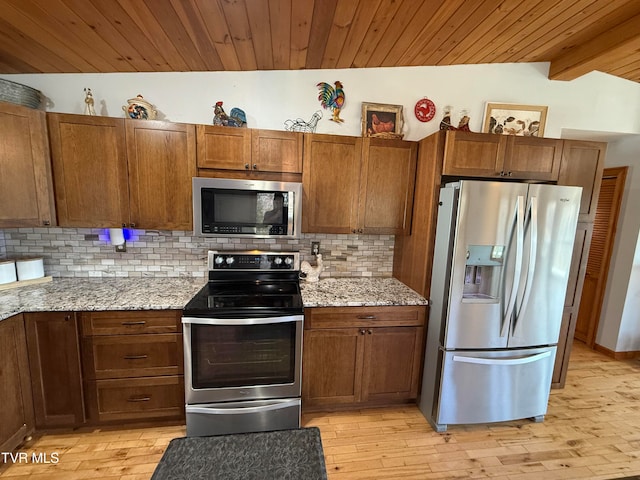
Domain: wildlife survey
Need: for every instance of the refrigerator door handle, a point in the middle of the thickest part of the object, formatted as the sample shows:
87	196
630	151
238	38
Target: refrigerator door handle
533	251
519	222
502	361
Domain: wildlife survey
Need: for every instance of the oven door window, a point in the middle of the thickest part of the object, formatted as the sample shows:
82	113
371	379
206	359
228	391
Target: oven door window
243	355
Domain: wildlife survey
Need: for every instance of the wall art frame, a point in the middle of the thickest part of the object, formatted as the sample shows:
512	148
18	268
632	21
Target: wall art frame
515	119
382	120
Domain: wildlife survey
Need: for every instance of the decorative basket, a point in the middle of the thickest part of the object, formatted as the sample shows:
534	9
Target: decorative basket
19	94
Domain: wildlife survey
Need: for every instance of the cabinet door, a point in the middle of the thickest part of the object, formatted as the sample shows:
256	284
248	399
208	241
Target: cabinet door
532	158
391	369
387	182
332	361
330	180
26	187
90	170
162	161
275	151
54	359
468	154
582	166
224	148
16	414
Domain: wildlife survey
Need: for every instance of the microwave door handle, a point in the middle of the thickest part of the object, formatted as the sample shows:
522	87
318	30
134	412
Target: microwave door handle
519	223
533	251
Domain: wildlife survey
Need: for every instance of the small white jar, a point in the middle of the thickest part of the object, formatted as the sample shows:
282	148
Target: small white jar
7	271
29	268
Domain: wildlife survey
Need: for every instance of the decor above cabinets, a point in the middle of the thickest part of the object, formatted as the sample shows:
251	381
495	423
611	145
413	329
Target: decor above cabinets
357	185
26	187
111	172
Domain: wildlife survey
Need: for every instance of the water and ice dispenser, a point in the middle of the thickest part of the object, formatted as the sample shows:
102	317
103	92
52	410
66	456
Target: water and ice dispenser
483	271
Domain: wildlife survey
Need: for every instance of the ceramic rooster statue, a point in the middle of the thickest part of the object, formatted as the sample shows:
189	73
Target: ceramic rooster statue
236	117
312	273
332	98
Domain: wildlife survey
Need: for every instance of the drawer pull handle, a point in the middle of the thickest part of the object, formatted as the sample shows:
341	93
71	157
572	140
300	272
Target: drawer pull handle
366	317
135	357
129	324
138	399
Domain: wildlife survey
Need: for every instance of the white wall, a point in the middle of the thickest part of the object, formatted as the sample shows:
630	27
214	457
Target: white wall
619	328
596	102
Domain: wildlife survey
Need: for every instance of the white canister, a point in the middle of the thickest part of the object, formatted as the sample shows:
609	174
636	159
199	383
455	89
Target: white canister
30	268
7	271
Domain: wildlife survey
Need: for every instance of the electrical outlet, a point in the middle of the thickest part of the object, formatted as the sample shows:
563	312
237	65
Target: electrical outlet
121	248
315	248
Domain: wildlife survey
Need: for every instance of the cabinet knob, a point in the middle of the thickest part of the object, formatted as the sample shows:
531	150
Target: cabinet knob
501	174
360	230
67	317
353	230
369	331
508	174
46	223
246	166
362	331
124	225
132	225
255	166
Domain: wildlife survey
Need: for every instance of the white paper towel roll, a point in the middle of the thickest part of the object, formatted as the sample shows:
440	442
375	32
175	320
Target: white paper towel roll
116	235
7	271
29	268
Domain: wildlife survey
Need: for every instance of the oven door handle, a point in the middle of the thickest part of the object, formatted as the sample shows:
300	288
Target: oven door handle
277	405
242	321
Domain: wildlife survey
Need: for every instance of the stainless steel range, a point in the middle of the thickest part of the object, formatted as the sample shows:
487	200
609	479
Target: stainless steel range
243	345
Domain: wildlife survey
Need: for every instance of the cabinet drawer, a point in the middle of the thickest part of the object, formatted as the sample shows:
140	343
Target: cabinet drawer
135	398
124	356
336	317
131	322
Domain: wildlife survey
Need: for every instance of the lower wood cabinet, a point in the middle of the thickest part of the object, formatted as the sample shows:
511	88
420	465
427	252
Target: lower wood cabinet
16	413
54	359
133	365
361	356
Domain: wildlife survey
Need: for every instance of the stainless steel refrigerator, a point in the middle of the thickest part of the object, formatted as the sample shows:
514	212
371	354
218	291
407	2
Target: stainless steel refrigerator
500	271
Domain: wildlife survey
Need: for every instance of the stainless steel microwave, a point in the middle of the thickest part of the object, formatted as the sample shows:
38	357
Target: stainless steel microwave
246	208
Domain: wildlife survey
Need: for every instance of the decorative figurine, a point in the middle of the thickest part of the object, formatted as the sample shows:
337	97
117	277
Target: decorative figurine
463	124
332	98
88	102
300	125
236	117
140	109
312	273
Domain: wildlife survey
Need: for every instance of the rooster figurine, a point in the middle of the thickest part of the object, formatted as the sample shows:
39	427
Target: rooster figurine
236	118
312	273
332	98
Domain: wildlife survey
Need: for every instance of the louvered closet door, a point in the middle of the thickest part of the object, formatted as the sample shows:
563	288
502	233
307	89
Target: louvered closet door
604	227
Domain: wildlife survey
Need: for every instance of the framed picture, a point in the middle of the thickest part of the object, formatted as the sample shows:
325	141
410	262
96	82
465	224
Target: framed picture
514	119
381	120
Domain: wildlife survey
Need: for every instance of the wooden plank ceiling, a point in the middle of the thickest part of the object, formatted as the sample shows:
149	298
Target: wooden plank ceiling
86	36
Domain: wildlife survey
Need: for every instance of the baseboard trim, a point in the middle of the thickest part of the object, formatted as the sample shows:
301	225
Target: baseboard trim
616	355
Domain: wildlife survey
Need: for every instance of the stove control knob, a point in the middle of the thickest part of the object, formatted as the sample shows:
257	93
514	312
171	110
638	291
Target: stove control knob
277	260
230	260
288	261
219	259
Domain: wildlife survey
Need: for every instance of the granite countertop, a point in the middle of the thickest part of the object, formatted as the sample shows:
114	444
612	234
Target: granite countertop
356	292
93	294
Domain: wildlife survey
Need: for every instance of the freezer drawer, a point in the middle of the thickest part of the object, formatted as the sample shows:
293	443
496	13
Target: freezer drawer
494	386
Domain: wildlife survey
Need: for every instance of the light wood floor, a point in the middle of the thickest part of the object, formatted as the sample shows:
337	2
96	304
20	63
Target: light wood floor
591	431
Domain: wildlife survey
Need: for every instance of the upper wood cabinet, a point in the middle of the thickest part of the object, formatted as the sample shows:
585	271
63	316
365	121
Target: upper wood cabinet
26	187
357	185
582	166
16	414
486	155
162	161
111	172
90	170
54	358
249	150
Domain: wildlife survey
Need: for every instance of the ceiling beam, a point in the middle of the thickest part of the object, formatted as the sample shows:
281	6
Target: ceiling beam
603	52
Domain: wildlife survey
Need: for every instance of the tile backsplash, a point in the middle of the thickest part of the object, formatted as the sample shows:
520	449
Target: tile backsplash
86	252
